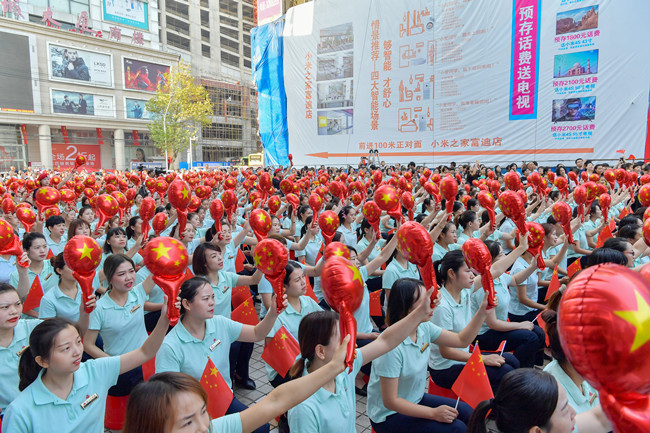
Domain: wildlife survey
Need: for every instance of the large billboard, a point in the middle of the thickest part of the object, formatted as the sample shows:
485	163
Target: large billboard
79	66
134	13
146	76
437	81
64	155
82	103
136	109
16	89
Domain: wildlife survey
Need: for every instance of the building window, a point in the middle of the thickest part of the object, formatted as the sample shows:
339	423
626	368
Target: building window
228	21
177	8
247	38
178	25
205	35
205	50
178	41
205	18
223	131
229	44
205	4
225	101
228	7
247	13
229	32
222	154
73	7
247	63
247	51
247	27
229	59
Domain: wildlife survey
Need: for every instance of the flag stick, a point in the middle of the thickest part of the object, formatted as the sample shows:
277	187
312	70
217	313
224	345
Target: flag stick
457	400
503	348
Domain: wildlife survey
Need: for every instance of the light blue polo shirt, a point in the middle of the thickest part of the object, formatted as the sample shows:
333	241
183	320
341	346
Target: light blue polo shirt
313	247
408	362
227	424
37	409
394	271
503	296
7	267
56	247
580	399
516	307
56	304
9	359
349	235
316	413
265	287
362	314
549	254
48	278
121	328
454	317
230	257
439	251
182	352
363	244
223	293
290	319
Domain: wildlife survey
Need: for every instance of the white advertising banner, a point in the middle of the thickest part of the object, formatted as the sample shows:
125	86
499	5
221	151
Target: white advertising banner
439	81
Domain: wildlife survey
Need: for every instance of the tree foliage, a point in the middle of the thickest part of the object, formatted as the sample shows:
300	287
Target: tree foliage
178	109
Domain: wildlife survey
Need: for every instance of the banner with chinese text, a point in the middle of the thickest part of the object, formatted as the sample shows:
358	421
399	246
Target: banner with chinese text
439	81
64	155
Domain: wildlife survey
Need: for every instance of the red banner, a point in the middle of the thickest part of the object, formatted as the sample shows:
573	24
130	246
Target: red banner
64	132
100	137
23	130
136	138
64	155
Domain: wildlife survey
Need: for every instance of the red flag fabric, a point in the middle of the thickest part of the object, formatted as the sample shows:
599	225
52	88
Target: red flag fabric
542	325
33	299
605	234
219	393
612	225
281	352
310	291
625	212
375	303
554	285
239	294
245	313
472	384
574	267
50	254
188	274
240	260
320	253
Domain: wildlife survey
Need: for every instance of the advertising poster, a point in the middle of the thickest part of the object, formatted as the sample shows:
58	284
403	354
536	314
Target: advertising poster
16	93
64	155
136	109
79	66
134	13
268	10
440	81
84	104
146	76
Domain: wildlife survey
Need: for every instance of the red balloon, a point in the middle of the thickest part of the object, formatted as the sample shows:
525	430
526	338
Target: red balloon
294	201
536	242
47	197
486	200
83	255
271	259
610	176
229	200
27	217
316	204
121	202
265	181
644	195
216	212
478	258
593	319
159	222
286	186
343	290
328	222
377	177
580	197
386	197
8	206
260	222
161	186
274	204
179	195
79	161
166	258
9	243
646	231
203	191
107	207
415	244
146	212
512	207
621	175
373	214
562	214
449	189
408	203
605	201
512	181
336	249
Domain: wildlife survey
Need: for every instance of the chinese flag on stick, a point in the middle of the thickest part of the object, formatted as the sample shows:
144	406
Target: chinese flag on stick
375	303
605	234
33	299
542	325
240	260
310	291
219	393
245	313
238	295
281	352
574	267
50	254
625	212
554	285
473	385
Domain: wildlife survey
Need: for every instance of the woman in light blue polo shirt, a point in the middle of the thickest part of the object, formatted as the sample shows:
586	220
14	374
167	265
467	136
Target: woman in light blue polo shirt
200	335
398	268
446	241
396	397
319	336
455	314
59	392
64	299
368	237
348	227
469	223
119	318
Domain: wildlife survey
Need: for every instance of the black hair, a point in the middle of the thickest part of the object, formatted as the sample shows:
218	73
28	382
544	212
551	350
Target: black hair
291	266
606	255
199	262
189	289
466	218
5	287
315	328
54	220
29	238
629	219
494	248
618	244
130	232
84	209
403	294
628	231
57	262
344	212
472	202
111	264
526	398
112	232
453	261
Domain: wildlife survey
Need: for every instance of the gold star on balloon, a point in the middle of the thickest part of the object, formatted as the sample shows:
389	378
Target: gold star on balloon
85	252
161	251
640	319
329	219
355	273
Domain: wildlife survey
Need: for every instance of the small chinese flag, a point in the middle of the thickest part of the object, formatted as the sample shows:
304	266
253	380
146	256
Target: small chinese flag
245	313
574	267
310	291
188	274
605	234
239	294
50	254
33	299
542	325
612	225
240	260
281	352
320	253
554	285
375	303
219	393
472	385
625	212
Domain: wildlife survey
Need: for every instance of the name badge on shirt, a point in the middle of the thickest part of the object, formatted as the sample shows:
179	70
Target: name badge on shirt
592	398
21	351
136	308
90	400
424	347
214	345
225	289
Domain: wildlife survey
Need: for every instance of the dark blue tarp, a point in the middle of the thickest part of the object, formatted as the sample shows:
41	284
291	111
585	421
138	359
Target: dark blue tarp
268	75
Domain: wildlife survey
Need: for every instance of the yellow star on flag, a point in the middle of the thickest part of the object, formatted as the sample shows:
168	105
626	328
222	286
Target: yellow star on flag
640	319
214	371
283	336
161	251
85	251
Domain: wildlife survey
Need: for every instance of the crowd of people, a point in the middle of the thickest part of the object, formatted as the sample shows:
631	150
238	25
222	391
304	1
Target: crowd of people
61	362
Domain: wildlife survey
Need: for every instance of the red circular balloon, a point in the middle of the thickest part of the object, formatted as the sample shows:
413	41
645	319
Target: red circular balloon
512	207
27	217
562	214
328	222
261	223
216	212
271	259
386	197
478	258
336	249
487	201
415	244
159	222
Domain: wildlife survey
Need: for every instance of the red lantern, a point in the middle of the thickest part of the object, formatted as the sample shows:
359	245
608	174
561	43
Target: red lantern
328	222
167	259
343	290
449	189
594	319
27	217
487	201
415	244
83	254
271	259
9	243
159	223
478	258
513	208
373	214
562	214
260	222
179	195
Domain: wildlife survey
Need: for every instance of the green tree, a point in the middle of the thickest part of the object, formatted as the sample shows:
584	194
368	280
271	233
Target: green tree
178	109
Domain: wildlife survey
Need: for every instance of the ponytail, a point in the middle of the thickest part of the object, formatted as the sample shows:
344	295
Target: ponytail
297	368
315	328
28	369
480	417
